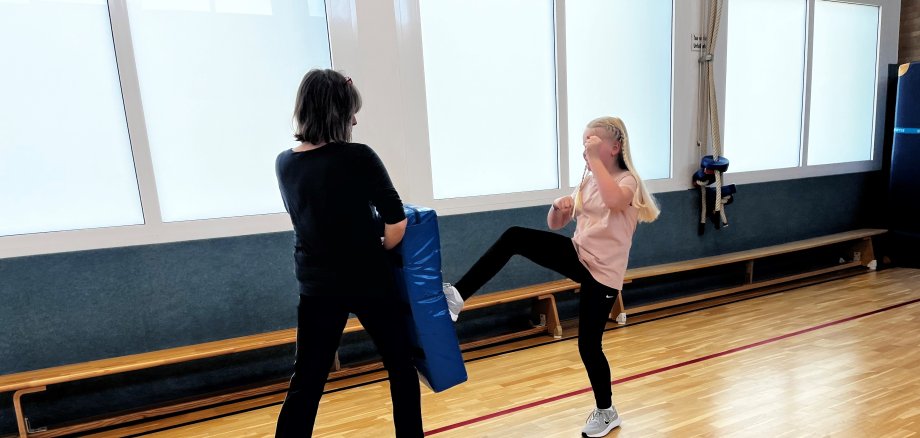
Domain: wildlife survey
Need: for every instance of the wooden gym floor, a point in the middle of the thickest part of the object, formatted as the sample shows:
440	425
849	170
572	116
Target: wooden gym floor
840	358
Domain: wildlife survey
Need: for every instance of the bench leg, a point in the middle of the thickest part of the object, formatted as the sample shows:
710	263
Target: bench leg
21	421
619	311
863	253
546	306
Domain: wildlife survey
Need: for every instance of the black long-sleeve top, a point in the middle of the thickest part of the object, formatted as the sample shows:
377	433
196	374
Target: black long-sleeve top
330	193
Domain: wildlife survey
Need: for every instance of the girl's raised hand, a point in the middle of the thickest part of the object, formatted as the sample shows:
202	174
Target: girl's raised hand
564	204
592	146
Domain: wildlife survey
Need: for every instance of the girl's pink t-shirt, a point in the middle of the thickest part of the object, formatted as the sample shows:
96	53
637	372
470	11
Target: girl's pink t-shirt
602	236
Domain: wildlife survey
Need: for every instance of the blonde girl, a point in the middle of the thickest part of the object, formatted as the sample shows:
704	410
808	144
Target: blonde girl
607	205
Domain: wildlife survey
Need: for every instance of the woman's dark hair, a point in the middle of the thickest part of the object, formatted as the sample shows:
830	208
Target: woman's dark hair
326	102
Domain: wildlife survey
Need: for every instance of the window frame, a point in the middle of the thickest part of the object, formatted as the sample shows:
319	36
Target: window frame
342	39
419	154
394	121
886	53
120	124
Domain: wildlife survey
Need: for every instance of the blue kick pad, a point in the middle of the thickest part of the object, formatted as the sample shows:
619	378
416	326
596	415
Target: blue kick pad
439	362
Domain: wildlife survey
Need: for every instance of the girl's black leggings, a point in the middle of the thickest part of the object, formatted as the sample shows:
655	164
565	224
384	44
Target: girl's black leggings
556	252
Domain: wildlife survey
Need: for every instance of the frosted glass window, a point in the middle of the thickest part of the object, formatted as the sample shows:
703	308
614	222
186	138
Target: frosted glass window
764	83
843	83
618	63
218	80
491	92
65	156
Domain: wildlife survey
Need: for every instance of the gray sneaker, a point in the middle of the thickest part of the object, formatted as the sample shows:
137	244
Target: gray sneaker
601	422
454	300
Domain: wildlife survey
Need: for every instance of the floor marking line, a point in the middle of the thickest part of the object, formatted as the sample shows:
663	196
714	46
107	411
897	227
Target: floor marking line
666	368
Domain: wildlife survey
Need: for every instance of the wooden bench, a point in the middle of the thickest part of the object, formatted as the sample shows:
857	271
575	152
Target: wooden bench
544	310
541	294
860	249
544	302
38	380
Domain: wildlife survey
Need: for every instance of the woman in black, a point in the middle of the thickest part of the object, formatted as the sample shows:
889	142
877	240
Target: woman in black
329	186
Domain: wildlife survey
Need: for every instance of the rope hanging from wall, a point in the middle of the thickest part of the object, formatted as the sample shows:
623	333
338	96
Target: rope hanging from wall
711	166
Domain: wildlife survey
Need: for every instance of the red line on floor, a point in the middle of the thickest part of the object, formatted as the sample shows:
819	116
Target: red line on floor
663	369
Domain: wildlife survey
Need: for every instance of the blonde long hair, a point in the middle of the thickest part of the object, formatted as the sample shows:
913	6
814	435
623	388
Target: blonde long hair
642	199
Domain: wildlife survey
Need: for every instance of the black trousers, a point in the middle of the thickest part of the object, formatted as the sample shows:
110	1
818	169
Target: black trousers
320	322
556	252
